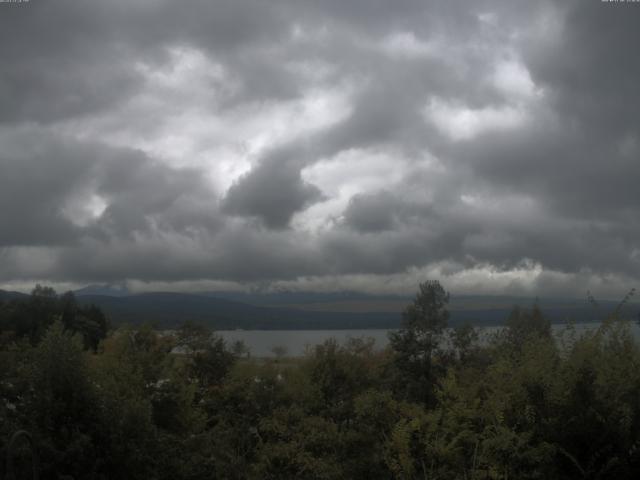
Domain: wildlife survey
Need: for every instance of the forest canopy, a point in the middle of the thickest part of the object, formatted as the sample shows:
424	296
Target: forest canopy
443	403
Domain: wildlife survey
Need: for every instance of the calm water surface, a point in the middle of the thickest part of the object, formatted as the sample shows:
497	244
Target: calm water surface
295	342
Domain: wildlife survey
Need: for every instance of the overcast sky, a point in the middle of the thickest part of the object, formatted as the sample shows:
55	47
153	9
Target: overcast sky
321	144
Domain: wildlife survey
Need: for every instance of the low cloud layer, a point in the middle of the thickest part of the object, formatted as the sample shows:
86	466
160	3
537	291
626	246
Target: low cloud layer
321	145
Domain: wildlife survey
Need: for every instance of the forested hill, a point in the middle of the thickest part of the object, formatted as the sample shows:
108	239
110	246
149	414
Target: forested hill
300	311
168	310
5	295
320	311
134	403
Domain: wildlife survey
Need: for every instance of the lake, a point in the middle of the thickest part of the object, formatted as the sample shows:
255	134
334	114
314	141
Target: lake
261	342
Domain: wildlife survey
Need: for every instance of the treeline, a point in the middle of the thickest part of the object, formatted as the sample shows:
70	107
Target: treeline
28	319
436	404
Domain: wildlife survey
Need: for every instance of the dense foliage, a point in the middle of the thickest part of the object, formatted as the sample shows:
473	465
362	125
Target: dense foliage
436	404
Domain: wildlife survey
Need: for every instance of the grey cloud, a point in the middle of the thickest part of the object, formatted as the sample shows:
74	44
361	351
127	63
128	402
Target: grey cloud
383	211
45	176
60	61
143	194
574	158
34	185
272	191
239	252
388	252
66	59
591	68
369	213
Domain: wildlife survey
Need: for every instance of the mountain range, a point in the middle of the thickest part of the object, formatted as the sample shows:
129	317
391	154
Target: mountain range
311	310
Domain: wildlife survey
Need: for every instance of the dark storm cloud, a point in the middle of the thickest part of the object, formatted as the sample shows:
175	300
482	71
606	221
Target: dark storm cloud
66	59
49	183
273	191
143	195
240	253
592	68
593	73
579	158
371	213
382	211
60	60
527	110
33	188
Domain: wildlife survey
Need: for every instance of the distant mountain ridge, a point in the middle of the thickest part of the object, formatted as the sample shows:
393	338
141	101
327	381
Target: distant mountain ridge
9	295
310	310
295	297
108	290
167	309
